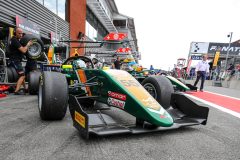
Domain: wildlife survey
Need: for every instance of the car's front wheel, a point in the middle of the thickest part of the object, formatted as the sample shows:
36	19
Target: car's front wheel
160	89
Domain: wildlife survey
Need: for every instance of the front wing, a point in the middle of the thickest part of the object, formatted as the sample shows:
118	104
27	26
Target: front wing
184	112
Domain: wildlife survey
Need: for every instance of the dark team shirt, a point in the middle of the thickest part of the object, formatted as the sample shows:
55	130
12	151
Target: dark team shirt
231	67
14	46
117	64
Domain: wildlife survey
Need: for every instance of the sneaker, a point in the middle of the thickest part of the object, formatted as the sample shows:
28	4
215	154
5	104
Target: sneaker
201	90
17	93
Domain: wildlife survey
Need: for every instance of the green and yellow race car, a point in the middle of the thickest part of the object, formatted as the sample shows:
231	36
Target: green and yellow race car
92	94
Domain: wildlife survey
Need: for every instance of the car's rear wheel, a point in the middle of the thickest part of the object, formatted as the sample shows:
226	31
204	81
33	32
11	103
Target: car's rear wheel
160	88
52	96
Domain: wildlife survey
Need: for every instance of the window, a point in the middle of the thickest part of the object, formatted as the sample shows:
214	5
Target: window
120	23
40	1
61	8
56	6
91	32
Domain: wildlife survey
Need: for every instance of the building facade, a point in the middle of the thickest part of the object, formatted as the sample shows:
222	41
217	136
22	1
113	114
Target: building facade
68	19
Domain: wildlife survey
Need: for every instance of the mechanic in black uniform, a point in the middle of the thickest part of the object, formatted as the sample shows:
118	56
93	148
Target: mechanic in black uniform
17	52
117	63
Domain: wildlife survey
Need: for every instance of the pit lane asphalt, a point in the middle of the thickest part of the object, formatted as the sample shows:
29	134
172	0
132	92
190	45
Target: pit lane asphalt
24	136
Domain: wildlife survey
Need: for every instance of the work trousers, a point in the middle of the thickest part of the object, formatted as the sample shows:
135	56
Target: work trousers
202	75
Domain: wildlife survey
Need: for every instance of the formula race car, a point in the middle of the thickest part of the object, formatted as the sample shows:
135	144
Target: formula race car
92	93
146	78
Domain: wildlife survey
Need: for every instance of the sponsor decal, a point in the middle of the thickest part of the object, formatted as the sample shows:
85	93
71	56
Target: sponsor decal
196	57
216	58
117	95
135	88
27	26
41	80
234	49
150	102
129	83
123	50
115	36
80	119
162	116
116	103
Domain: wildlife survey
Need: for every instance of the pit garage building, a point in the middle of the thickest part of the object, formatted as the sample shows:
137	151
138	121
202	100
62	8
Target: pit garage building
68	19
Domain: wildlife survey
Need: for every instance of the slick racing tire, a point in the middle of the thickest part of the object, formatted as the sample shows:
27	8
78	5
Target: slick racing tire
160	88
36	49
15	74
33	82
52	96
10	75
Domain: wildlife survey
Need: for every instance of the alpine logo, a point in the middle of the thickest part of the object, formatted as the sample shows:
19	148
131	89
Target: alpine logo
117	95
116	103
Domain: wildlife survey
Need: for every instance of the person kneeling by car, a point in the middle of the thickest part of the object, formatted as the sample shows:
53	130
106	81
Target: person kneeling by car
17	52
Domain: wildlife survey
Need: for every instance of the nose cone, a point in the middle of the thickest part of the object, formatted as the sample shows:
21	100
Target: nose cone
161	118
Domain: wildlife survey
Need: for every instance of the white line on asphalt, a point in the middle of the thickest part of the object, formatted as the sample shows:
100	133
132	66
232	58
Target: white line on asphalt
215	106
223	95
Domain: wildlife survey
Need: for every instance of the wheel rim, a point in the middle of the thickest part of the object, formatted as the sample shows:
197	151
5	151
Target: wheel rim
40	96
34	50
151	90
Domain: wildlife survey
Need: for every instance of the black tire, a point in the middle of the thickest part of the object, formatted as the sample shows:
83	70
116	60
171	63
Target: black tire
52	96
160	88
36	49
14	74
10	75
33	82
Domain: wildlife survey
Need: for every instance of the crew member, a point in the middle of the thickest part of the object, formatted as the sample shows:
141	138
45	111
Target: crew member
202	70
17	52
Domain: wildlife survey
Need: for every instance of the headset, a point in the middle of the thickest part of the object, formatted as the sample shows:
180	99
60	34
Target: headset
14	31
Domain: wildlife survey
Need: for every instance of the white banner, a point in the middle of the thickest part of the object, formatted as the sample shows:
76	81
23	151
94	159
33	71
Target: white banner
199	47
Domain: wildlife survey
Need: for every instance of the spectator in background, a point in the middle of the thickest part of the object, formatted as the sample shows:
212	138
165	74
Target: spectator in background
117	63
192	73
238	67
202	70
232	71
58	59
151	67
231	67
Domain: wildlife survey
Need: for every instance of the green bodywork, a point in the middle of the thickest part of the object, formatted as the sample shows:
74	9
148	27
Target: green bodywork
140	76
179	84
111	81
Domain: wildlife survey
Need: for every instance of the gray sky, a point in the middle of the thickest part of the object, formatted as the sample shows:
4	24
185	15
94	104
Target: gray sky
165	28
